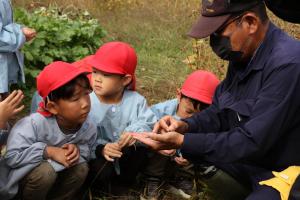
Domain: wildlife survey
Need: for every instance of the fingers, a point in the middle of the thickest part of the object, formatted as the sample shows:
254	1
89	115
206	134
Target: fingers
17	110
10	96
112	150
108	158
125	141
17	98
74	160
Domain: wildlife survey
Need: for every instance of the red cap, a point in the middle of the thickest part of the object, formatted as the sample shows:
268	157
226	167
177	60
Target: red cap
200	85
56	75
83	64
115	58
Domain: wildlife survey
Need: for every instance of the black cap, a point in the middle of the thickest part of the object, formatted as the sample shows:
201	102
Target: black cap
215	13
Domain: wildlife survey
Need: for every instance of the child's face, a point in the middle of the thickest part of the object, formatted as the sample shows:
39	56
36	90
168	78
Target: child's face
185	108
107	85
73	111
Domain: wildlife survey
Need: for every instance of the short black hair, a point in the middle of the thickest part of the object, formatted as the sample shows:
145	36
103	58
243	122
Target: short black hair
67	91
196	104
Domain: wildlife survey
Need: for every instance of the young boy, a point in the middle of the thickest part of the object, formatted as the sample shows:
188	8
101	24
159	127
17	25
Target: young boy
117	110
195	95
47	152
12	38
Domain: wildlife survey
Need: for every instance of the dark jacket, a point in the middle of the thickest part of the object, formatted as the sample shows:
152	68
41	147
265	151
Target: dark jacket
255	114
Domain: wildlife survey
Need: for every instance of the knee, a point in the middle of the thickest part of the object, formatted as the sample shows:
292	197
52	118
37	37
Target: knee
43	176
80	172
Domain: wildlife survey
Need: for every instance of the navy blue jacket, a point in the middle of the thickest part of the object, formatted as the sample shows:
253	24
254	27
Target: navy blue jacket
255	115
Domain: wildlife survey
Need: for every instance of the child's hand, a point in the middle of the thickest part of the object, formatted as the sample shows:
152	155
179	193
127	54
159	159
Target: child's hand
111	151
58	154
126	140
10	106
29	33
181	161
72	153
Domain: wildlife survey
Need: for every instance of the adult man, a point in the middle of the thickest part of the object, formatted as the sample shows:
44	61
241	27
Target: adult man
253	125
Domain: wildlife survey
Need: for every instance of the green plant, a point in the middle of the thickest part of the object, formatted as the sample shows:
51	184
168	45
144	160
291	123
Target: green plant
61	35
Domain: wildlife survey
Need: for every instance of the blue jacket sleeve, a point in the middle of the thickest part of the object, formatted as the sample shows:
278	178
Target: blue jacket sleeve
145	118
277	103
11	34
22	146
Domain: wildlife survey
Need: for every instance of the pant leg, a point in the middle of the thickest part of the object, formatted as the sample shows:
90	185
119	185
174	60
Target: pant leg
38	182
69	182
264	193
156	165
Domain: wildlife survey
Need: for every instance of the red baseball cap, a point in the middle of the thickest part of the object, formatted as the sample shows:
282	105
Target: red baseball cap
115	58
56	75
83	64
200	85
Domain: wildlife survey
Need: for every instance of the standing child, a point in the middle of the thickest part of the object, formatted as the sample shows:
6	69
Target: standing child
47	152
12	38
195	95
117	109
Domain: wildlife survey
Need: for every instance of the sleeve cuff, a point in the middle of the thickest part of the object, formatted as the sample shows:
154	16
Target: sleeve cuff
98	150
193	145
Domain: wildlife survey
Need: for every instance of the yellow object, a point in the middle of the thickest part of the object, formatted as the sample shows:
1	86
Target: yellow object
283	181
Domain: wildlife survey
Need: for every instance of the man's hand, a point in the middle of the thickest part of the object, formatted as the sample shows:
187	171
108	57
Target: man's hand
29	33
169	124
126	140
58	154
72	153
181	161
111	151
169	140
10	106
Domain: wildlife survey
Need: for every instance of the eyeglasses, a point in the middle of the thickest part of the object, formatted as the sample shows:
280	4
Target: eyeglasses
226	23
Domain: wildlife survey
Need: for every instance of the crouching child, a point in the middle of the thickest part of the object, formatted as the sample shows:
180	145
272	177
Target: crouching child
47	151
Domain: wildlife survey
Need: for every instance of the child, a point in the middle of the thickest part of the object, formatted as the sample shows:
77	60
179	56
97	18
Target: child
117	110
195	95
82	64
8	109
47	152
12	38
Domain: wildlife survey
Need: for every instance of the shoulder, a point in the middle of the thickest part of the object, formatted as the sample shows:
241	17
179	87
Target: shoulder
133	96
285	49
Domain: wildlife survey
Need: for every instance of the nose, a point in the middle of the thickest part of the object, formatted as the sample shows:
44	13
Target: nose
86	102
97	77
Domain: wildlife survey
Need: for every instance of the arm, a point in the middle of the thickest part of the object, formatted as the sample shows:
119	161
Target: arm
22	146
144	120
11	36
276	104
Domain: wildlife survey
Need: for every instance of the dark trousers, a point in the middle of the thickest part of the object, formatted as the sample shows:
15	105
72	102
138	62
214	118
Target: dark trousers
102	172
247	178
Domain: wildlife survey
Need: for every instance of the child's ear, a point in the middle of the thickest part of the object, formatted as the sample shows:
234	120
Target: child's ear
52	107
178	94
127	79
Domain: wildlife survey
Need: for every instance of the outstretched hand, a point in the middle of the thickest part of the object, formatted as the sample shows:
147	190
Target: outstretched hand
165	141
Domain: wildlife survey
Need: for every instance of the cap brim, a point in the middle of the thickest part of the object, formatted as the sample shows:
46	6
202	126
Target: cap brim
205	26
96	64
199	97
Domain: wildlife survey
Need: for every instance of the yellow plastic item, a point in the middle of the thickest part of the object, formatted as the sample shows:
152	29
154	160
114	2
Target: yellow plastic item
283	181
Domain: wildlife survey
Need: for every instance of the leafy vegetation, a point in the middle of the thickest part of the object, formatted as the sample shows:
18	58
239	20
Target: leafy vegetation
66	36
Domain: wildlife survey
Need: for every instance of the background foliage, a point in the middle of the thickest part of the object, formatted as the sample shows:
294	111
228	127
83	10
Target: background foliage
62	35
